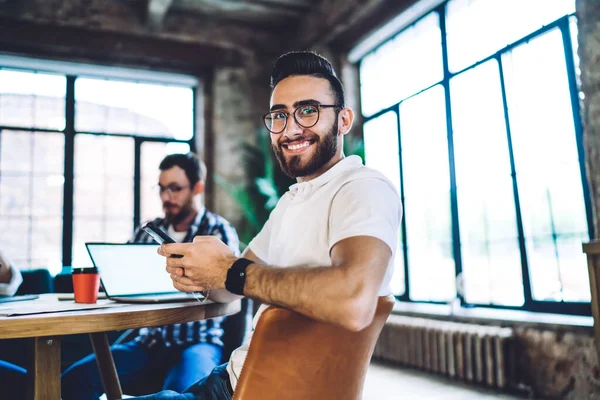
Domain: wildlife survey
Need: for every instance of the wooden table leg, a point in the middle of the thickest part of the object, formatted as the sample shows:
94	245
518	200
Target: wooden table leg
44	368
106	366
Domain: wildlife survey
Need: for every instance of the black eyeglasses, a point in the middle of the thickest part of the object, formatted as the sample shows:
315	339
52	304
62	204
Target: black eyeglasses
305	116
171	189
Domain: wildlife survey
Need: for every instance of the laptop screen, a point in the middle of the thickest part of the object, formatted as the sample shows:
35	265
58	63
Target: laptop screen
130	269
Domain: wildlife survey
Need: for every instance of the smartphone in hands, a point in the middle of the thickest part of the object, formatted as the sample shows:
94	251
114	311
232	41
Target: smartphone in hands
159	235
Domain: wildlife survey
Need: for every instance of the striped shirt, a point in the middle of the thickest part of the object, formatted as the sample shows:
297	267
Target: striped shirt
205	331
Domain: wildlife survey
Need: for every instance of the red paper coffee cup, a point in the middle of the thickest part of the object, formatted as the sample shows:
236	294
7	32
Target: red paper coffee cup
86	283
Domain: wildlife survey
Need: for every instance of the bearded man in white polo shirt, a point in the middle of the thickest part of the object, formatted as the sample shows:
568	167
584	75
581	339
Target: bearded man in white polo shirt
327	249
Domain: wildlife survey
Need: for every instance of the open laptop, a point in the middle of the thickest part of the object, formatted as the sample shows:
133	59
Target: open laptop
134	273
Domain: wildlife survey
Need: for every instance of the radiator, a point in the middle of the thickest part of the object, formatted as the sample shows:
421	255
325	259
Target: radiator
469	352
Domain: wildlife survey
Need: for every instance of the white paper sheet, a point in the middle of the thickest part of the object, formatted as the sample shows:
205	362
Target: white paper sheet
38	307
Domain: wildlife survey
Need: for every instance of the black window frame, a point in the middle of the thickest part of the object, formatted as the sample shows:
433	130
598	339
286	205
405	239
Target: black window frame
530	304
70	133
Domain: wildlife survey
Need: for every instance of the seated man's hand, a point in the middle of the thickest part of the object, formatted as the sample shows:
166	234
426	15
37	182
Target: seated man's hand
203	265
5	271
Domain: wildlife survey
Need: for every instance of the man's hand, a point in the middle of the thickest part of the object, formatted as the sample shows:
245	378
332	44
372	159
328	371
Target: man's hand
5	272
203	266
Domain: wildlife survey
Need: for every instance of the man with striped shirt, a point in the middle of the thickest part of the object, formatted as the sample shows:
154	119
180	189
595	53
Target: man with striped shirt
173	356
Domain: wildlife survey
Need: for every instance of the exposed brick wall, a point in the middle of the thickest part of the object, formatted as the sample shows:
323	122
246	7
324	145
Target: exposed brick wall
557	364
576	354
232	125
241	95
588	13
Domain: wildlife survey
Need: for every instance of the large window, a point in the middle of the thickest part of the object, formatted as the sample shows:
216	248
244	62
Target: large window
31	197
426	196
79	159
383	149
476	121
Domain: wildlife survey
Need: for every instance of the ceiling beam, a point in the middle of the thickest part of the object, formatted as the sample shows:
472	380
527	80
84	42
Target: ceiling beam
341	24
157	10
236	9
233	31
128	19
112	48
300	5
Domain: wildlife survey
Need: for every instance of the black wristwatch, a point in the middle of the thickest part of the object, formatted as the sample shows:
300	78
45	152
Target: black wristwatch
236	276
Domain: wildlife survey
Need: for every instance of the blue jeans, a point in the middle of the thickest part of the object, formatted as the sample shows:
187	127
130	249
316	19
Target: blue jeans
142	370
214	386
13	381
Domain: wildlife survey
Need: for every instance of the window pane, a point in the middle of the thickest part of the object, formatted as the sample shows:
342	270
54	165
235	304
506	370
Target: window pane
31	198
47	199
118	107
32	100
103	205
477	29
408	63
431	265
382	153
91	229
46	239
15	239
152	155
547	165
15	194
48	179
486	205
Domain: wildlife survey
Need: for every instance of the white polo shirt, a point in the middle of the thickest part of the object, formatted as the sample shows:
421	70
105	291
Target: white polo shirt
347	200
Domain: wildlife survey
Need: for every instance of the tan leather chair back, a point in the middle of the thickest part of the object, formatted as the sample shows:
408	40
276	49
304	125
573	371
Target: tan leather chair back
293	357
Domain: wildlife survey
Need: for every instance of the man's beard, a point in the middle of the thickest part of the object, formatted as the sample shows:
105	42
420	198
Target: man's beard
326	149
184	210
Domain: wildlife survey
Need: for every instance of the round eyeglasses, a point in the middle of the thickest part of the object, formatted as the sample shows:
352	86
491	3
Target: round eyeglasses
305	116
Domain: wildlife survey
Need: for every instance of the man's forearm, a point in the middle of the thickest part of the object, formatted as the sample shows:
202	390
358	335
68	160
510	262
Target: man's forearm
343	293
322	293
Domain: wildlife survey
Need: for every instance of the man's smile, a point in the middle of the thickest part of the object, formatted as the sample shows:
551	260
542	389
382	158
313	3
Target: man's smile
297	146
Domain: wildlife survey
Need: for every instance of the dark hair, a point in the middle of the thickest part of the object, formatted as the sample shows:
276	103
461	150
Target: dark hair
307	63
195	170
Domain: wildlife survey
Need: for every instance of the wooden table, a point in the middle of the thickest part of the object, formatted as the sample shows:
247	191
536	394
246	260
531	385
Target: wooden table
46	331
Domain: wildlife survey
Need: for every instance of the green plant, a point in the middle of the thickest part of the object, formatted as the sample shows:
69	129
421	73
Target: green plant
259	193
354	146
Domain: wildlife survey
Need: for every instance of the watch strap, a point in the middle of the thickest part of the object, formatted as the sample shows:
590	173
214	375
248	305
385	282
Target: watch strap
236	276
